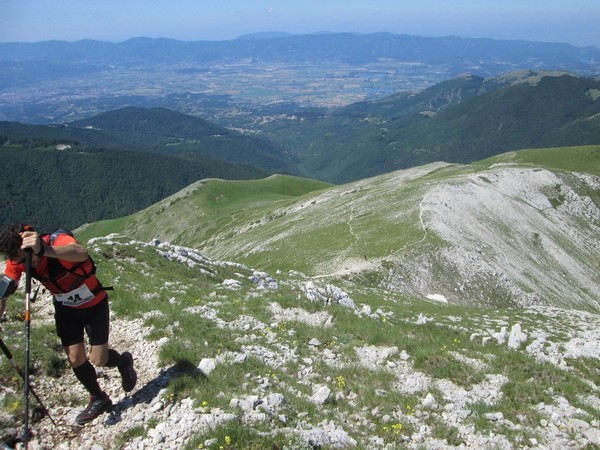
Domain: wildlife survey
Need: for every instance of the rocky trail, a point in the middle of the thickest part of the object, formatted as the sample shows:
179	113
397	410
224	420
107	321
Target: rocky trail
169	425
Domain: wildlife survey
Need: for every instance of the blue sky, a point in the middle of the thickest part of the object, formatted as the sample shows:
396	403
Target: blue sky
573	21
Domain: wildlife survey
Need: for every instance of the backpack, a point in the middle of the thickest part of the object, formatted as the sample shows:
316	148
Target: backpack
74	276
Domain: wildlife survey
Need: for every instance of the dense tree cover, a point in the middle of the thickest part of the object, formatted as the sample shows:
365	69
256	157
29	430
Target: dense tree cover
461	121
67	188
159	130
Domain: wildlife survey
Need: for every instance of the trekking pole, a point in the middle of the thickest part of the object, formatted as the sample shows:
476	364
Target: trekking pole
28	253
9	355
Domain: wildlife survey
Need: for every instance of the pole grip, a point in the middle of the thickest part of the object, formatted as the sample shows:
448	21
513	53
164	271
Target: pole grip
28	253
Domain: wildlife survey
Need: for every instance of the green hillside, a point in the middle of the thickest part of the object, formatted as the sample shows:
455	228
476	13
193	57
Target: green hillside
164	131
206	208
584	159
386	230
459	121
159	130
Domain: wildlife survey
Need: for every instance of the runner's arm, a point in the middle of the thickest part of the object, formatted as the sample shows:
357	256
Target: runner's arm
72	252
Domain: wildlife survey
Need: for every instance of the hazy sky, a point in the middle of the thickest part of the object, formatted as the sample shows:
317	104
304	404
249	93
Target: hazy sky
573	21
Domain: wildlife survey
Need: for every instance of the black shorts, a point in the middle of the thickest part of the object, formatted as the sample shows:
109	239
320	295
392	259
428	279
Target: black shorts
71	323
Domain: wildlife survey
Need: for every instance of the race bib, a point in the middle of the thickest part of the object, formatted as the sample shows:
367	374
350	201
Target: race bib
76	297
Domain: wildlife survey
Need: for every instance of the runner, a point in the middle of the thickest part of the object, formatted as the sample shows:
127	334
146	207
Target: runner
64	267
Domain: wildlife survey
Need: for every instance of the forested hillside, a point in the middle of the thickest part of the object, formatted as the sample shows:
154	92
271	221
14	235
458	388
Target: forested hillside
164	131
49	187
461	121
160	130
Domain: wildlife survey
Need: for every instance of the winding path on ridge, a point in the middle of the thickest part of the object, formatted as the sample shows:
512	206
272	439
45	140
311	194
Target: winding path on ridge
357	266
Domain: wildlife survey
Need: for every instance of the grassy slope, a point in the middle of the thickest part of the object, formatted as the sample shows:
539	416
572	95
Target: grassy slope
584	159
374	227
307	226
205	208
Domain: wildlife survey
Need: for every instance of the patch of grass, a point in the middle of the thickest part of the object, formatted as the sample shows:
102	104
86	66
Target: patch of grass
13	407
122	439
207	392
234	435
371	386
588	367
46	354
46	350
394	433
531	383
368	331
430	349
198	333
444	366
518	437
448	433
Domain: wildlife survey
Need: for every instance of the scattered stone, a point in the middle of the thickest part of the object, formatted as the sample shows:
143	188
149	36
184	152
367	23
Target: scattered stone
494	417
438	298
429	402
206	366
314	342
502	336
232	284
320	395
516	337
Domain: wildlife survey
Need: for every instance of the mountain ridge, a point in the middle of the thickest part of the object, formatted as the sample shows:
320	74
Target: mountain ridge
341	46
393	229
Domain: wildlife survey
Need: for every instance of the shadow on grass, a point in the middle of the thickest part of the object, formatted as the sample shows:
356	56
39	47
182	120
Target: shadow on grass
151	389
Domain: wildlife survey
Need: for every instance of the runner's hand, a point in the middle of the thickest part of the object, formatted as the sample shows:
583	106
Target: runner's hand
31	239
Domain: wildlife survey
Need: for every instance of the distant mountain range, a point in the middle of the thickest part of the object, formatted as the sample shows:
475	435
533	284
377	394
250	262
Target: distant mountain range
241	81
326	47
